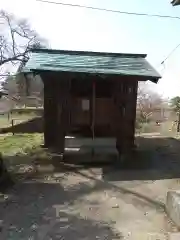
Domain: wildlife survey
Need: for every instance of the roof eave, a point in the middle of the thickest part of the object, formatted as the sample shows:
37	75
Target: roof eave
175	3
57	51
153	79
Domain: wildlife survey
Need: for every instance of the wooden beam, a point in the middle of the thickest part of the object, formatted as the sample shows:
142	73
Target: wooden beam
93	114
118	114
63	110
130	117
133	108
50	110
125	96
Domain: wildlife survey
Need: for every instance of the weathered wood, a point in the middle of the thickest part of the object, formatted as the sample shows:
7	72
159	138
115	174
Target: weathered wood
50	110
132	109
63	109
130	116
93	109
125	95
57	110
117	118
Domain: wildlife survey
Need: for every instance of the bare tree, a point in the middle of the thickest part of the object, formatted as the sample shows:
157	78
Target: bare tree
147	102
16	40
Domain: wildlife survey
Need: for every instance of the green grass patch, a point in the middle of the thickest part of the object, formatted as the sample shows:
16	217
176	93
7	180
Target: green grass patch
20	144
19	152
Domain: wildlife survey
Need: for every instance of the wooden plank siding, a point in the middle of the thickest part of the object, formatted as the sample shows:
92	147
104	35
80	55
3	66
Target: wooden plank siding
63	102
50	110
114	115
56	109
125	96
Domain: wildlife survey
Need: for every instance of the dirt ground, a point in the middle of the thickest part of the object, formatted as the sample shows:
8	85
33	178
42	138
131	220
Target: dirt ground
103	202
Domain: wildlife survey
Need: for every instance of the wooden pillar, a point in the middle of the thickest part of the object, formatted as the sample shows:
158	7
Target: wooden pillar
50	110
63	108
130	116
93	114
125	96
118	114
133	108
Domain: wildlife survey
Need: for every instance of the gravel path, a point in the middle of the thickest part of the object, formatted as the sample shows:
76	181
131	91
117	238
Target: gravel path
95	203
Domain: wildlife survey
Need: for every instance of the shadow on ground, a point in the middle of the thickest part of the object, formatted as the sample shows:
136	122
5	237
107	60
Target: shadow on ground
34	125
43	211
156	158
45	208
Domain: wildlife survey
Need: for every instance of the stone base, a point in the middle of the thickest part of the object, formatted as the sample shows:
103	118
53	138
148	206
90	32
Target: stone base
173	206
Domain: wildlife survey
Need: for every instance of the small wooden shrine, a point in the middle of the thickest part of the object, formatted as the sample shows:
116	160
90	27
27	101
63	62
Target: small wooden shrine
90	92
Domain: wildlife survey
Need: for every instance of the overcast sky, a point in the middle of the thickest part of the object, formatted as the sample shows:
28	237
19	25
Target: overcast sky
84	29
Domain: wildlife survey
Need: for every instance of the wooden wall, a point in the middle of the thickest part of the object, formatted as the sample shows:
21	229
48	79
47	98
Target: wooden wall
125	96
103	112
78	116
56	109
118	110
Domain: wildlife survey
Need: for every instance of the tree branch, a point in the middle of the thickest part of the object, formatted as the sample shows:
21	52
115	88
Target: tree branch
19	57
16	40
12	33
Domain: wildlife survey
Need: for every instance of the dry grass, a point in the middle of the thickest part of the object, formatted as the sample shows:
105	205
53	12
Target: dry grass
17	151
19	144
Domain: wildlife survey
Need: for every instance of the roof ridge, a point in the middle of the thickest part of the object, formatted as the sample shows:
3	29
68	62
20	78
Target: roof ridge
91	53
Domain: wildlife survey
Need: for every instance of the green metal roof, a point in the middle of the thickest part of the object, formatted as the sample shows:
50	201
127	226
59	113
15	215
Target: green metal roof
91	62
